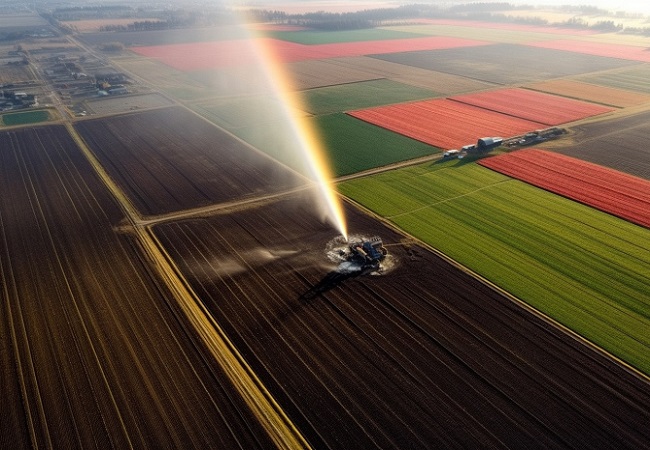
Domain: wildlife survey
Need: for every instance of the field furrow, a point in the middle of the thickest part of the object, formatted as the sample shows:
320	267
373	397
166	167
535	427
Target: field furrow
94	354
421	355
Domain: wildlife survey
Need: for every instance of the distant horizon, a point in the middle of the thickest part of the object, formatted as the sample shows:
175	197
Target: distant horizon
631	6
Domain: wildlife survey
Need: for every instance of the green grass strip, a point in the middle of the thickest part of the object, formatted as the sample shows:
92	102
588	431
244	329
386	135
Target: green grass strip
351	144
354	146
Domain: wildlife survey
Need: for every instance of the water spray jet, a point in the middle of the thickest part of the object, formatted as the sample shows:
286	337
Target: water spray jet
284	131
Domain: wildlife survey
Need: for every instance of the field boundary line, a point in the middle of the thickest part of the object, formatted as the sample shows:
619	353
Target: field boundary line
216	208
270	414
282	431
516	300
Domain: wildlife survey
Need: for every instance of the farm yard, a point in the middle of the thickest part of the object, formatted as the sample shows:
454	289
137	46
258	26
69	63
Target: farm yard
169	278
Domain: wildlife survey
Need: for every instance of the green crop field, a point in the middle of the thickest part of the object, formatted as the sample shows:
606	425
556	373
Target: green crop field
584	268
310	37
352	145
25	118
355	146
365	94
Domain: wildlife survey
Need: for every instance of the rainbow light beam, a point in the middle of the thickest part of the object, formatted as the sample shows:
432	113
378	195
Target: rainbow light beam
304	137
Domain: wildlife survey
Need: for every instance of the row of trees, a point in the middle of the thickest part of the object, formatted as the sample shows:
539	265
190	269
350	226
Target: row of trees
494	12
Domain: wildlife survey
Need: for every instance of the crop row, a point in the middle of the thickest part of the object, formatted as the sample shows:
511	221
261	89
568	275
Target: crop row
169	159
635	78
585	268
23	118
591	92
481	26
436	81
352	146
629	52
315	37
93	355
316	73
531	105
611	191
444	123
367	94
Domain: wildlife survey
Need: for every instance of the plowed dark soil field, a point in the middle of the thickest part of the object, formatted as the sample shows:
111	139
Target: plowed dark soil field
506	63
170	159
420	356
92	355
620	143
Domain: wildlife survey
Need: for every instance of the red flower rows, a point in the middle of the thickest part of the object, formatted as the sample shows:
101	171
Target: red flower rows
444	123
606	189
532	105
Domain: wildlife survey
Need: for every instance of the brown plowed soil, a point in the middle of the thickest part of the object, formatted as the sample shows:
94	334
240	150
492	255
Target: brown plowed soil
92	351
619	142
421	356
168	160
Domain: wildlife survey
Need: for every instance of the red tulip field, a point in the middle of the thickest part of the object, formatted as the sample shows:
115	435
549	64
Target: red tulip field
444	123
611	191
531	105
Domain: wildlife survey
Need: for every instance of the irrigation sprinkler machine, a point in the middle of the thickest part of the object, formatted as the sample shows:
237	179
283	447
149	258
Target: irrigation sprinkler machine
358	255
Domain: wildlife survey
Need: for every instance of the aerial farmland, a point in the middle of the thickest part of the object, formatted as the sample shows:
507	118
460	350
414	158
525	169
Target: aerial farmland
244	229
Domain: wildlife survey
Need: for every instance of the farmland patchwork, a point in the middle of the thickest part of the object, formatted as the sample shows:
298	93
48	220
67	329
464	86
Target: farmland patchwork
611	191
